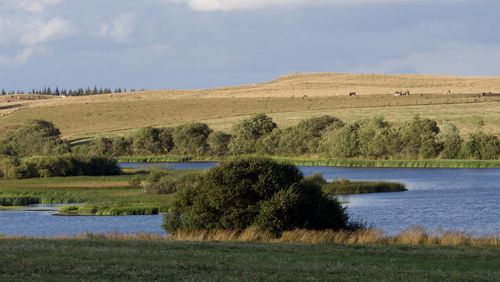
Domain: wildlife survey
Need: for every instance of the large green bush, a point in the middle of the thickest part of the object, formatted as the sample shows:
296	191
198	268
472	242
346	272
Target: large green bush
254	192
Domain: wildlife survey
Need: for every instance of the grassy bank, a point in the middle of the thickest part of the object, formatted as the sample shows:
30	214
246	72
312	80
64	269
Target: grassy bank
343	187
134	260
102	195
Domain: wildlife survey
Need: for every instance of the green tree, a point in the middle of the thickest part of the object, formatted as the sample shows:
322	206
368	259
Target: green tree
420	138
249	131
219	143
451	141
191	139
342	142
36	137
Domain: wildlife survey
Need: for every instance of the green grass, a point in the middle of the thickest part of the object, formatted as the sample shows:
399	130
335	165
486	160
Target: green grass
342	187
99	260
103	195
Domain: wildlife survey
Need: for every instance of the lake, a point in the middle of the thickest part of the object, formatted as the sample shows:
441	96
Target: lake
438	199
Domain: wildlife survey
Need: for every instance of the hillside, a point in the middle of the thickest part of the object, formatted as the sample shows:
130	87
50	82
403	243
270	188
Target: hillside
288	99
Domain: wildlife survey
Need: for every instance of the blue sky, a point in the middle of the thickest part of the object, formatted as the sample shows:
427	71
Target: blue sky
205	43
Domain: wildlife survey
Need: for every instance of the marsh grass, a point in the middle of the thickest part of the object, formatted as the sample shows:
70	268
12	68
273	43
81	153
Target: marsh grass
435	163
416	236
341	187
18	201
102	195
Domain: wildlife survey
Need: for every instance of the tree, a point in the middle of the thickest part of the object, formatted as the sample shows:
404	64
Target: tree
147	141
191	139
451	141
254	192
481	146
342	142
219	143
420	138
248	131
36	137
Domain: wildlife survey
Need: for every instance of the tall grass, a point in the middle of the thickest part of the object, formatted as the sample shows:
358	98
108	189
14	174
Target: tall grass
341	187
153	159
18	201
436	163
412	237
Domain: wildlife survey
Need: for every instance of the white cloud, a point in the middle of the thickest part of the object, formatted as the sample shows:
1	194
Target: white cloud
25	31
229	5
32	6
30	31
118	29
21	57
41	32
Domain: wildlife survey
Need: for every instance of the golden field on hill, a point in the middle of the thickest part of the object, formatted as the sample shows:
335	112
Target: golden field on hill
287	99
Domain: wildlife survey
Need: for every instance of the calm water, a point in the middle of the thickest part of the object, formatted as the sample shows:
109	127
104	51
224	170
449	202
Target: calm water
449	199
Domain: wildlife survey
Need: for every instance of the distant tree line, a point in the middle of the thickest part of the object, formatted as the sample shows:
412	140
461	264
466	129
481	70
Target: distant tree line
324	136
69	92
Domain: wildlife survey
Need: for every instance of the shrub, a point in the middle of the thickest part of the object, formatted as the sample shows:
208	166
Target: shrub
253	192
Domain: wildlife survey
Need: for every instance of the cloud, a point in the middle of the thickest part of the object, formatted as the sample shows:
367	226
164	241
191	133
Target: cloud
229	5
21	57
40	32
32	6
118	29
30	31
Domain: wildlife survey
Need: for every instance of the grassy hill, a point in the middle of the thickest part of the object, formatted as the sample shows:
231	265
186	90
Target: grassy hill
287	99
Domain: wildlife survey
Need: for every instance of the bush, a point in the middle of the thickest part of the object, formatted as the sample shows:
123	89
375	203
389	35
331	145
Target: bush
253	192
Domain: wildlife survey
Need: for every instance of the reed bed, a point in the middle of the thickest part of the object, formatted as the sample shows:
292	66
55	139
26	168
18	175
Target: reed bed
416	236
342	187
435	163
18	201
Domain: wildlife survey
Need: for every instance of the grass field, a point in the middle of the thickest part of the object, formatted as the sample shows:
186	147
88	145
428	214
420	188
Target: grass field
101	259
287	100
103	195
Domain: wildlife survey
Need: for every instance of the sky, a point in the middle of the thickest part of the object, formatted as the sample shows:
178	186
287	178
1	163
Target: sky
189	44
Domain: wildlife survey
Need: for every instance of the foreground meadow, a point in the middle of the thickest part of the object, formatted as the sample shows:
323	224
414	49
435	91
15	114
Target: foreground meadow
116	260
